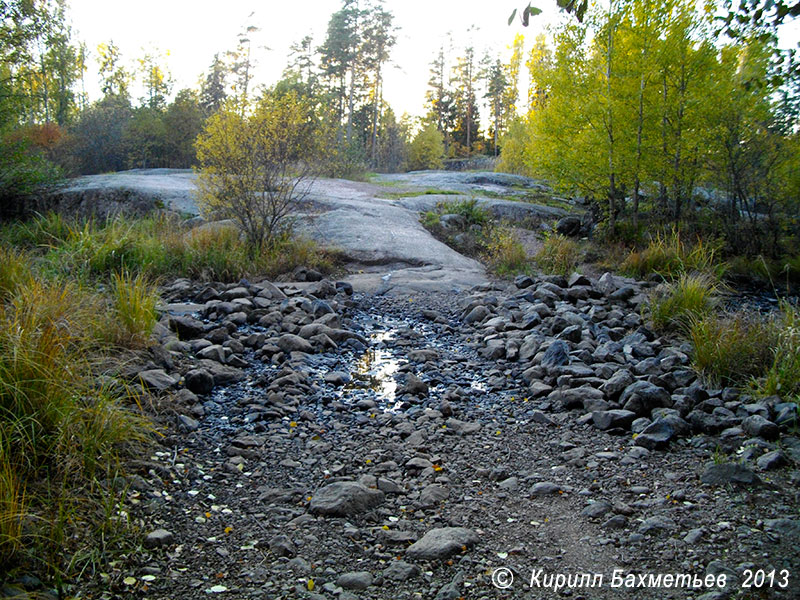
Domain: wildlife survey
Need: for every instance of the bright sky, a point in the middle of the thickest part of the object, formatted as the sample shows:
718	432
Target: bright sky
192	31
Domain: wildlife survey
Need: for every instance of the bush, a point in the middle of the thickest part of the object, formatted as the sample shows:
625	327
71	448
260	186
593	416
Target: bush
426	151
558	256
256	169
505	254
688	299
783	376
469	209
23	172
670	257
732	349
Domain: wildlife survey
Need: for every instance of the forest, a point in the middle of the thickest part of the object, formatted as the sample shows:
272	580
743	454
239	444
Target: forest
646	109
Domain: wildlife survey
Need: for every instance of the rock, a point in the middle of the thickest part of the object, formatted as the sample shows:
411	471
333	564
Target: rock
356	580
569	226
433	494
158	539
772	460
462	427
289	342
399	570
758	426
199	381
338	378
157	380
282	545
442	543
414	386
214	352
787	527
523	281
187	328
656	524
476	315
596	510
729	473
618	382
656	435
451	591
545	488
613	419
556	355
344	498
642	397
606	284
188	423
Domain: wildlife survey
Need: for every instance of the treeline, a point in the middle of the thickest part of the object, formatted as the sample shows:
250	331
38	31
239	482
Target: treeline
642	109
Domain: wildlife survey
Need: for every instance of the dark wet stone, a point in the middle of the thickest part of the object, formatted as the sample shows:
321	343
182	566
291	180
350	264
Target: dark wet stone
612	419
656	435
758	426
556	355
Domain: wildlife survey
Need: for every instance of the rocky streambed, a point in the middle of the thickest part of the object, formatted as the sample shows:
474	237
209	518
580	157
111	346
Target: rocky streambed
324	444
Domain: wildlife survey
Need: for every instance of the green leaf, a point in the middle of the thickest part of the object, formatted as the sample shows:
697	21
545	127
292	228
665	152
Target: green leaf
511	18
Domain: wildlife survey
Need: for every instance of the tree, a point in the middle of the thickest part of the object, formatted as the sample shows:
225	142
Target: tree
496	93
439	99
256	168
213	87
156	79
426	150
465	77
98	135
183	122
114	78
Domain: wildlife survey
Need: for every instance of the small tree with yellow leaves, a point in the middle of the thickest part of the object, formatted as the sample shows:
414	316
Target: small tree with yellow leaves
255	167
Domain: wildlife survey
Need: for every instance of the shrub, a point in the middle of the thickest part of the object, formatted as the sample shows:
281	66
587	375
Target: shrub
505	254
783	376
558	256
670	257
732	349
22	173
426	150
133	315
469	209
256	169
688	299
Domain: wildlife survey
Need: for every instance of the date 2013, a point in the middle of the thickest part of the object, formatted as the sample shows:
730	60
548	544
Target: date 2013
761	578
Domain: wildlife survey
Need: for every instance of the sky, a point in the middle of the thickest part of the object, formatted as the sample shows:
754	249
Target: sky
192	31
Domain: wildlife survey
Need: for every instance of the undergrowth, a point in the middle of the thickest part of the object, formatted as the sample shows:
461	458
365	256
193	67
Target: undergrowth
691	297
670	256
559	255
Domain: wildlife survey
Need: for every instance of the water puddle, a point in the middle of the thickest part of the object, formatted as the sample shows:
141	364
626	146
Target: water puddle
375	369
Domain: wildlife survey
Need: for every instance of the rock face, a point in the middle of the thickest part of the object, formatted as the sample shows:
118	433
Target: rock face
344	498
442	543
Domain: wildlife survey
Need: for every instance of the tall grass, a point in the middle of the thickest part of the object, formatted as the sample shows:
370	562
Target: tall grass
783	376
505	254
59	431
732	349
684	301
670	256
158	247
558	256
133	309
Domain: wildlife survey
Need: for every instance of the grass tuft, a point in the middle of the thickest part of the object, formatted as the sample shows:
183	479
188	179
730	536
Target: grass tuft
669	256
558	256
505	255
732	349
133	314
689	298
783	376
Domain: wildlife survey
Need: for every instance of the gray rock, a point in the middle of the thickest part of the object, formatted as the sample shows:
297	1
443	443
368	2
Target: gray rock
694	536
344	498
476	315
556	355
199	381
656	524
414	386
399	570
451	591
569	225
158	539
187	328
758	426
338	378
433	494
642	397
188	423
596	510
462	427
656	435
214	352
282	545
613	419
356	580
772	460
442	543
545	488
289	342
729	473
618	382
157	380
787	527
